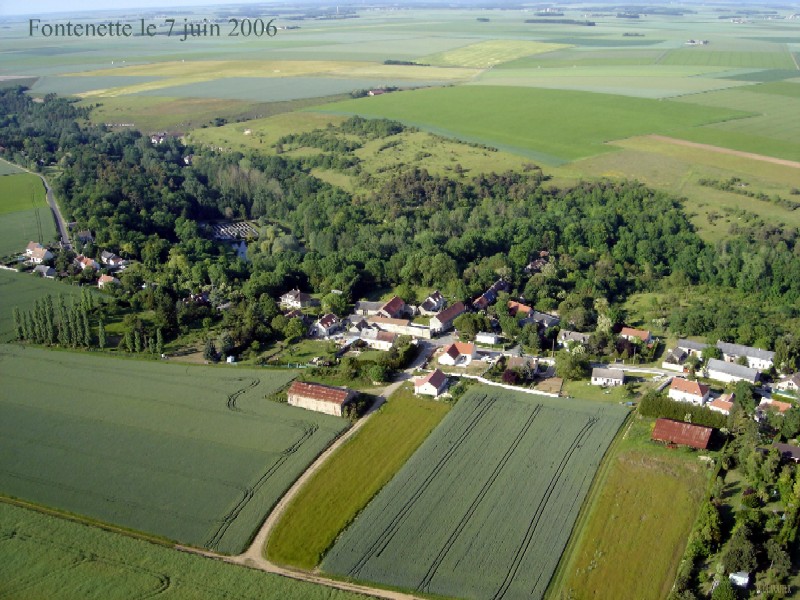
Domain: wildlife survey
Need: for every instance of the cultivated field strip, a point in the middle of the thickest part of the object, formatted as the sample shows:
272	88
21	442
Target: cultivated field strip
194	454
485	507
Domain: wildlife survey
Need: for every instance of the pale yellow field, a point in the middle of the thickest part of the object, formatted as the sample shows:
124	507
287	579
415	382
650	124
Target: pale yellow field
486	54
180	73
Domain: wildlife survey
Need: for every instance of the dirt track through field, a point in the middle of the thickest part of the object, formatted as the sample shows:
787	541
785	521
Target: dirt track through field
718	149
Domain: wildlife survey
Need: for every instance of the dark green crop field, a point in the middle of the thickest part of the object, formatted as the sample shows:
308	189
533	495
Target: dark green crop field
192	454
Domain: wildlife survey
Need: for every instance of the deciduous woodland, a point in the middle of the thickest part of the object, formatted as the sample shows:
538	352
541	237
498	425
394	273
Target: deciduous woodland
455	232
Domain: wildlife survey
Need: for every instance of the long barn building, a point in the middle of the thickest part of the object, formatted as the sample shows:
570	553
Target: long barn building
320	398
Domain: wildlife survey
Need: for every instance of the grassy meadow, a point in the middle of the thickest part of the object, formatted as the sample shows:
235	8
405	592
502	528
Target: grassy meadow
632	532
352	476
43	556
485	506
24	214
193	454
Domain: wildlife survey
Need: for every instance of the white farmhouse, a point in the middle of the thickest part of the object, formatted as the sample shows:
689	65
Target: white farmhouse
684	390
608	377
432	384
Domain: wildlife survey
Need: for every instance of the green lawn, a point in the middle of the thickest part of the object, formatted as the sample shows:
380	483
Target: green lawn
42	556
632	533
188	453
526	125
351	477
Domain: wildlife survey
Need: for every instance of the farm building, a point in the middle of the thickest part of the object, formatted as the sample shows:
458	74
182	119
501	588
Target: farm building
44	271
377	339
400	326
723	404
631	335
720	370
685	434
756	358
365	308
444	320
320	398
432	384
393	309
608	377
458	354
684	390
487	337
690	347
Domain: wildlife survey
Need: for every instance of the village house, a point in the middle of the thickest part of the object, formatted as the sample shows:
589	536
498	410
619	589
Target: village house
111	260
400	326
788	451
692	348
432	304
36	253
325	325
740	579
723	404
758	359
433	384
636	335
608	377
44	271
487	337
685	434
297	299
84	236
393	309
567	338
365	308
683	390
84	262
488	297
674	359
320	398
444	320
458	354
517	309
106	280
768	404
536	265
790	383
542	320
720	370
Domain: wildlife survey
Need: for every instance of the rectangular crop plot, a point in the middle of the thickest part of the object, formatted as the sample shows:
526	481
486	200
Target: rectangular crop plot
485	507
193	454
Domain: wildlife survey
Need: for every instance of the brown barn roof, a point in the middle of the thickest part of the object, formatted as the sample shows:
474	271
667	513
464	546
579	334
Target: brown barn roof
451	312
685	434
395	306
436	379
637	333
320	392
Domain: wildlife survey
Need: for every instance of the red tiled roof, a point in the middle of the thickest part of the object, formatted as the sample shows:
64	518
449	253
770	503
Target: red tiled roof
721	404
685	434
689	387
638	333
394	306
458	348
328	320
316	391
436	379
515	307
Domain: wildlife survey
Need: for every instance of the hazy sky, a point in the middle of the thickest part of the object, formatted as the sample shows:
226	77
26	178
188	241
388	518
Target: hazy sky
24	7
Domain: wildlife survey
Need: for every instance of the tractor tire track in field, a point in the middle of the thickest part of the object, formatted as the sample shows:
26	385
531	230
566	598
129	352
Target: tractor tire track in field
232	398
424	585
524	545
386	536
249	492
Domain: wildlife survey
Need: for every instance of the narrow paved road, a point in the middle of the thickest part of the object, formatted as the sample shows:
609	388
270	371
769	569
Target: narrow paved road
254	557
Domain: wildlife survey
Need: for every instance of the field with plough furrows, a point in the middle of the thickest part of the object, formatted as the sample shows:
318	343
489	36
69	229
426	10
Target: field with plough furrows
485	507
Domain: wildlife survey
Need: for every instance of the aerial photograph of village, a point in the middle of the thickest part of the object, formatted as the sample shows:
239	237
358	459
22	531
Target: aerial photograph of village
417	299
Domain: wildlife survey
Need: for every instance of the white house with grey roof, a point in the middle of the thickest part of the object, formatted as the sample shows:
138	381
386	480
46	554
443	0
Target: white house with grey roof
691	347
756	357
721	370
608	377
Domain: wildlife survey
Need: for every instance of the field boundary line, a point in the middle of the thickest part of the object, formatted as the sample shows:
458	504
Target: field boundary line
740	153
